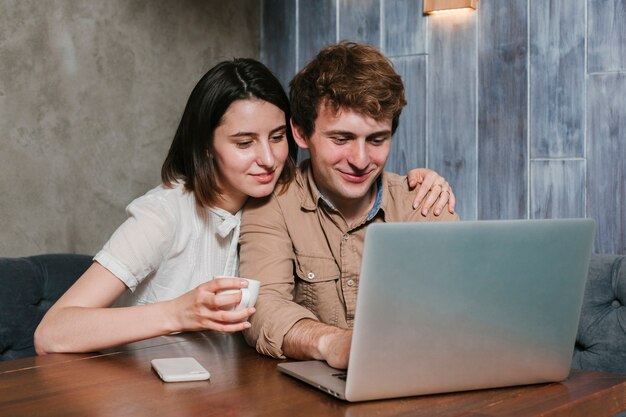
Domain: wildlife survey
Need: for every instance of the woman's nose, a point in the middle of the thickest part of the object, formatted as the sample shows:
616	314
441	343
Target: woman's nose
265	156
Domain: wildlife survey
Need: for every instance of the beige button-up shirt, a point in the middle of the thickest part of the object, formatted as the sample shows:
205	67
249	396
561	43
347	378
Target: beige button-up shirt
308	258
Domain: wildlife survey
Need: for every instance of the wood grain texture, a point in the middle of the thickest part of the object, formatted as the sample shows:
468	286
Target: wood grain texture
359	21
405	27
531	89
408	149
244	383
317	27
557	78
606	155
278	38
452	106
606	45
557	189
502	113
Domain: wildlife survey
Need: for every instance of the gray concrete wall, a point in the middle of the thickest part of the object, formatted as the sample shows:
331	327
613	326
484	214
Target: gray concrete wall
91	93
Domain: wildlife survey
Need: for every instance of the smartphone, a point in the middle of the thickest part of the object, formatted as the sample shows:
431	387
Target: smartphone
179	369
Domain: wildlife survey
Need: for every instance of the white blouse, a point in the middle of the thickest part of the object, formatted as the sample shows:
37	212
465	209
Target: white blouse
170	245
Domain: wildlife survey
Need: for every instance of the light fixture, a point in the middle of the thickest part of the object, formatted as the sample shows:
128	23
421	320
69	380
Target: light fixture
435	6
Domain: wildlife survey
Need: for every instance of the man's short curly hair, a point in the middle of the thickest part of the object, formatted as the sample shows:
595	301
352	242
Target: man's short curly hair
347	75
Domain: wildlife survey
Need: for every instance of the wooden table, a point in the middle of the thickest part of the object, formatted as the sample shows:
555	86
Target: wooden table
121	383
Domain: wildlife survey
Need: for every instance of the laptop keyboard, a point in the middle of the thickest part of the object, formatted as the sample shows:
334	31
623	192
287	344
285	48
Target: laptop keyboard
341	375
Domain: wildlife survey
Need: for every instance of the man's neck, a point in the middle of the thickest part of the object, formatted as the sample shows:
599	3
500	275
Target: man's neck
352	210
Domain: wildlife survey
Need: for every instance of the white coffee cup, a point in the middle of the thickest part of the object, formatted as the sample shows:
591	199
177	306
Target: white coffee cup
248	294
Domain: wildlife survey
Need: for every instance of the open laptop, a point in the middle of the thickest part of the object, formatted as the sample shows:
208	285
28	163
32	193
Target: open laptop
458	306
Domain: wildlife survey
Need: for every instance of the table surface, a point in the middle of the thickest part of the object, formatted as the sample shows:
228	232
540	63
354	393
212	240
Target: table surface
121	383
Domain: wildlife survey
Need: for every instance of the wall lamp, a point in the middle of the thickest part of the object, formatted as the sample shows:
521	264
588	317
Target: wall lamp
436	6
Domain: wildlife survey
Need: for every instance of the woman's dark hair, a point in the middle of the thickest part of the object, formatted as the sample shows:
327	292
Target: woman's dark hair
190	155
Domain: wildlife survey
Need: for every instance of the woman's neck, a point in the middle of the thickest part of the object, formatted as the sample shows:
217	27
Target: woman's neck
231	204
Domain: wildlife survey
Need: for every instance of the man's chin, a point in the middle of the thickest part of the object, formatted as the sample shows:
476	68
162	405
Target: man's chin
355	192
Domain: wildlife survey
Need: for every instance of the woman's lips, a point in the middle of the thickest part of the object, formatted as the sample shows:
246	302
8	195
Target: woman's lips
264	178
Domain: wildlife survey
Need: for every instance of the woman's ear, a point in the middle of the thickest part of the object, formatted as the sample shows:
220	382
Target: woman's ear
298	135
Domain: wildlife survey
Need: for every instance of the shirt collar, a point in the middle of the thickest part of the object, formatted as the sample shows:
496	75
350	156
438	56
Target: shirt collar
227	221
379	199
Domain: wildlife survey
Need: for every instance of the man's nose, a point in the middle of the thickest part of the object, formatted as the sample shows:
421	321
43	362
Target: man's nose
359	157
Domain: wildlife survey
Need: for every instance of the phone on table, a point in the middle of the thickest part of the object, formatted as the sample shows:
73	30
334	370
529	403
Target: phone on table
179	369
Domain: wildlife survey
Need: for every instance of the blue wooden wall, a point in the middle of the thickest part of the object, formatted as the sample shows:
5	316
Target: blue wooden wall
520	104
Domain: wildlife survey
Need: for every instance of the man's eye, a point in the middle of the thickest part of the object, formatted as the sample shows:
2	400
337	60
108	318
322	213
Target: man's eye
377	141
340	140
278	138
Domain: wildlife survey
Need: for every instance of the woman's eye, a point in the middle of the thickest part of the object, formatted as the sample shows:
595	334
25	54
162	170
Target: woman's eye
244	144
278	138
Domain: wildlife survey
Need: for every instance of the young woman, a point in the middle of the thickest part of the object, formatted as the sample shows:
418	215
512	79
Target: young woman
232	143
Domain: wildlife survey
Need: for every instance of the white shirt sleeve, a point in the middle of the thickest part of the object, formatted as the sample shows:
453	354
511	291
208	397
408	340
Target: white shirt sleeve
138	246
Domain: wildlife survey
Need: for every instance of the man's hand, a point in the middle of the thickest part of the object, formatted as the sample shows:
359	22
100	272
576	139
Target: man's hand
334	348
309	339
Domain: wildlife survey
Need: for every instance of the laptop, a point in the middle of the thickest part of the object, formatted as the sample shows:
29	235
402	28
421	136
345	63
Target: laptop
445	307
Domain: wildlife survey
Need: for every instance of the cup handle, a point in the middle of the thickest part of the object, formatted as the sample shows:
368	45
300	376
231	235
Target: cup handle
245	299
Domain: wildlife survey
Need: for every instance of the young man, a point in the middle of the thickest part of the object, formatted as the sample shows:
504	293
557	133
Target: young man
305	245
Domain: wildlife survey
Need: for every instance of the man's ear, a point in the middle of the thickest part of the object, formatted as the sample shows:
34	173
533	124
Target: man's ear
299	136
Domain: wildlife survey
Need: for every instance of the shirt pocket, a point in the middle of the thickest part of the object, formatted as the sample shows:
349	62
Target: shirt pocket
316	286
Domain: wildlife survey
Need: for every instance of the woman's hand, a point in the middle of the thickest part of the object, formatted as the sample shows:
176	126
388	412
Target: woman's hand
433	188
204	308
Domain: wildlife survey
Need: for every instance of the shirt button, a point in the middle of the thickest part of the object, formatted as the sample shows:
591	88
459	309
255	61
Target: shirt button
346	237
310	275
350	283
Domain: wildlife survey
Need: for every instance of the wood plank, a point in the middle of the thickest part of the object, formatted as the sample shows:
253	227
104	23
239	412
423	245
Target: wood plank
317	27
557	78
248	384
278	38
359	21
557	189
606	160
452	105
502	114
405	27
314	34
409	142
606	35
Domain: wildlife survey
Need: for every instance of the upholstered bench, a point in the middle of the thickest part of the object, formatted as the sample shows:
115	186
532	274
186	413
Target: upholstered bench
28	287
601	340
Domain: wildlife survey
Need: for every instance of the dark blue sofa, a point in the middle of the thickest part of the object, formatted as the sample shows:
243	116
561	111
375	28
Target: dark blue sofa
29	286
601	340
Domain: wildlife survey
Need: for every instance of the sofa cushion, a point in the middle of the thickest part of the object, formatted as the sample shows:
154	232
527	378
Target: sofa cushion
28	287
601	340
